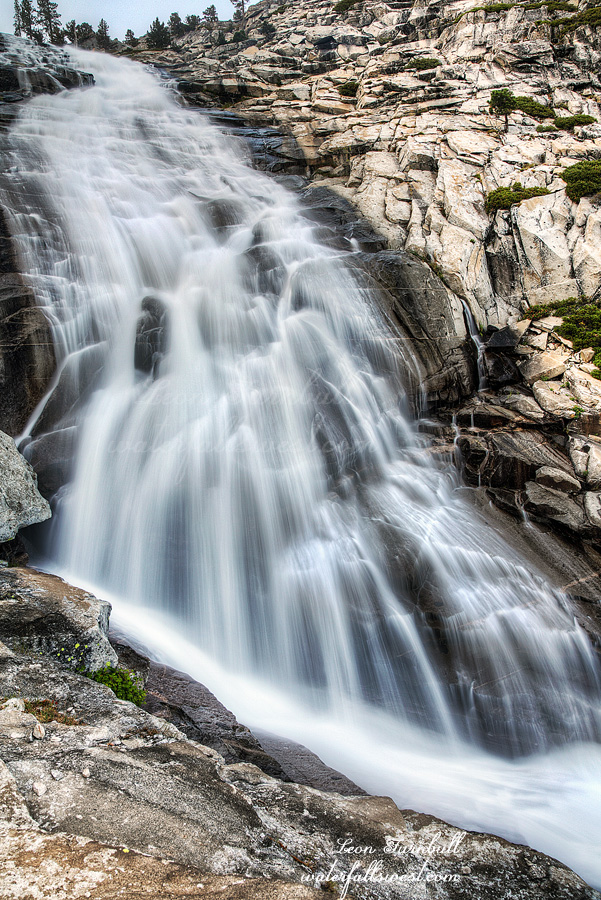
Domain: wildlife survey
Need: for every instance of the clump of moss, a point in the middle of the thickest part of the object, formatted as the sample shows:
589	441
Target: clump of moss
46	711
423	63
124	684
568	123
343	5
348	89
583	179
581	323
506	197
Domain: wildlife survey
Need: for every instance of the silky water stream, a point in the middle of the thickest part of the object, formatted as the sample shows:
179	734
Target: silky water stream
237	469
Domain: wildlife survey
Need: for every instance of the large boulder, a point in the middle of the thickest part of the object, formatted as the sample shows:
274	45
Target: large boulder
21	503
42	613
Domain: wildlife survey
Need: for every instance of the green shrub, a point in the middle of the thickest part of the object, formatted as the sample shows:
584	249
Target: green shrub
238	36
590	16
568	123
506	197
423	63
343	5
545	128
583	179
221	39
581	323
124	684
533	108
348	89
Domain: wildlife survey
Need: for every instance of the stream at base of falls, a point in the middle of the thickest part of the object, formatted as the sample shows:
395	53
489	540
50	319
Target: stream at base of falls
238	471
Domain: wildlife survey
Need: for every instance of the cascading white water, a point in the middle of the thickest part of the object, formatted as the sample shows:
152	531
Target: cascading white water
246	473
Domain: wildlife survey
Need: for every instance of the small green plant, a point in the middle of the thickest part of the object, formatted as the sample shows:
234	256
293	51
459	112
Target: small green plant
506	197
543	129
46	711
583	179
349	89
238	36
344	5
577	410
221	39
423	63
124	684
568	123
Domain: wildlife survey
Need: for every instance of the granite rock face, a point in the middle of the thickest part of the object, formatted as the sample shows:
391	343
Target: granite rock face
416	149
21	503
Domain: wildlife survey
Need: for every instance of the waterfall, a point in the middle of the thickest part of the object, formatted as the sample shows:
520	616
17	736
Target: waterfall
234	463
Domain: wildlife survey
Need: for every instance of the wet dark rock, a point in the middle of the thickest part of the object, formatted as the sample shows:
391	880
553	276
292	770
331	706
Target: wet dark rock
415	300
26	349
52	456
179	699
151	335
507	460
504	339
13	553
544	503
485	415
499	369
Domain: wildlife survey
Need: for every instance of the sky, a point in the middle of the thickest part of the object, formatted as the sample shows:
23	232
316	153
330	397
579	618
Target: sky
120	16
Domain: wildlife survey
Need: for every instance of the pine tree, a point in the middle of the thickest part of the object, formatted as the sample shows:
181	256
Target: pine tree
49	20
176	26
83	32
158	37
210	17
28	18
192	23
130	38
239	10
502	103
102	35
71	31
17	19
